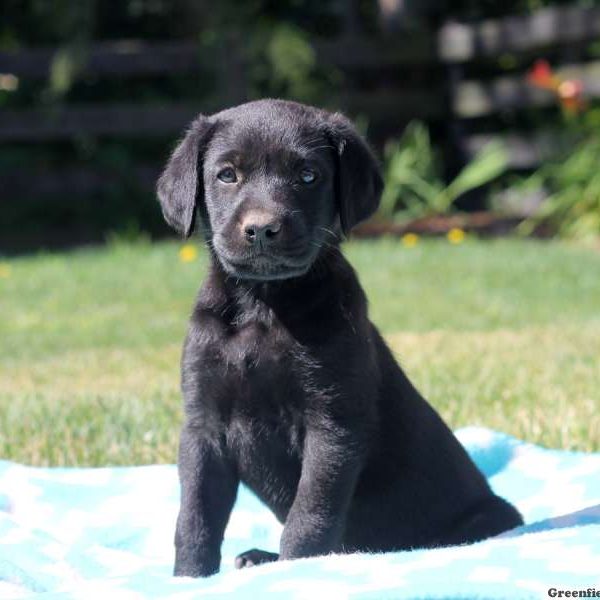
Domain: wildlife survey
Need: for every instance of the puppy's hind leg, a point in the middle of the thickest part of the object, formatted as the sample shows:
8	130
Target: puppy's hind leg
492	517
254	557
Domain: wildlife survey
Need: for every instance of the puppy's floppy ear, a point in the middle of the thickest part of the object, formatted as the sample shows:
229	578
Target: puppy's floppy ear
359	181
180	186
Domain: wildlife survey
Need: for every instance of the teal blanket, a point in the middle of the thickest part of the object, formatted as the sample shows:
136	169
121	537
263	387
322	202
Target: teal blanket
107	533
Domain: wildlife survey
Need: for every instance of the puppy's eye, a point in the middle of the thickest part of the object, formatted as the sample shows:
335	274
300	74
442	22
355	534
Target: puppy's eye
227	175
308	176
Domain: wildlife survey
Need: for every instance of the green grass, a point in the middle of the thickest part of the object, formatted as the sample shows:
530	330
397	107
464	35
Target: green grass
504	334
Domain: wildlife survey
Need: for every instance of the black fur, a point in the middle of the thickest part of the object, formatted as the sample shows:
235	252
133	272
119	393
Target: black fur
288	386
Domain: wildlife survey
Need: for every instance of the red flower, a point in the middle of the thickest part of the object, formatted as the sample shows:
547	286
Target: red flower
541	74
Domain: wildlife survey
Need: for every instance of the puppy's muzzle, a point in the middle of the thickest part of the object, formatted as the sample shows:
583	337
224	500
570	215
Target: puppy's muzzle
260	228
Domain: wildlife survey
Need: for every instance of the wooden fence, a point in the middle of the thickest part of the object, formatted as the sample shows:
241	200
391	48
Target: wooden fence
468	84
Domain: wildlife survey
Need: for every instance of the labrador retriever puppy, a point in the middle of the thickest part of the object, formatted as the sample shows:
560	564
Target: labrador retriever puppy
287	385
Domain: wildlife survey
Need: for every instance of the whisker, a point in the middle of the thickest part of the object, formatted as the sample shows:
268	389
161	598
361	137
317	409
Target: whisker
332	233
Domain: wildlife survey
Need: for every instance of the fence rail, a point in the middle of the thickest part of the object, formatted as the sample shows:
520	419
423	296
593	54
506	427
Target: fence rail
548	28
125	58
77	181
124	120
476	99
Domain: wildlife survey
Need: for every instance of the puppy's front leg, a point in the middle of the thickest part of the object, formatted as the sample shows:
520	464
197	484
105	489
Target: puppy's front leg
208	489
316	521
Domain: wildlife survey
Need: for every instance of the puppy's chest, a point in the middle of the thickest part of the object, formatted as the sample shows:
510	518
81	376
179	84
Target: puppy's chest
269	400
271	373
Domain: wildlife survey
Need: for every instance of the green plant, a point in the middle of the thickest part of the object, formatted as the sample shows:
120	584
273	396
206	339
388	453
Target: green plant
572	209
413	180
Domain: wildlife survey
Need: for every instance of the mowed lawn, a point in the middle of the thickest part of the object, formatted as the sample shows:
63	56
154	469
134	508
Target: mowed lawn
502	333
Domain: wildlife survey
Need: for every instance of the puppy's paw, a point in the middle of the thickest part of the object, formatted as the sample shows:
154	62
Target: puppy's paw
254	557
194	561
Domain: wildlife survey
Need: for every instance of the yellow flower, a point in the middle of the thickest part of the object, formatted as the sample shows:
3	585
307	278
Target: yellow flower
456	236
188	253
5	270
409	240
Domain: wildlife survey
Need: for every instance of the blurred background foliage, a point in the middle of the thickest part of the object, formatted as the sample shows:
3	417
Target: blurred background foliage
415	187
572	208
252	49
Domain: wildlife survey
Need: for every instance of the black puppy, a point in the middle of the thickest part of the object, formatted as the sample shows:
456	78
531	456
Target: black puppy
288	386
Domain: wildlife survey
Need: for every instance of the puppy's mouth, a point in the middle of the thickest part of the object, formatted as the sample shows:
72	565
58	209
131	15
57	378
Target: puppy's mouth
263	265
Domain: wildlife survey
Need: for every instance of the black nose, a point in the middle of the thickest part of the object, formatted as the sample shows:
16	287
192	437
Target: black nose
259	228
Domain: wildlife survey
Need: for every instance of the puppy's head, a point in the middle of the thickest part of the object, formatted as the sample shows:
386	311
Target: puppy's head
273	182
